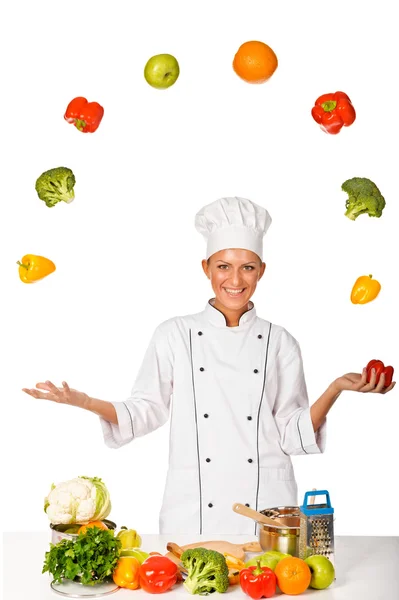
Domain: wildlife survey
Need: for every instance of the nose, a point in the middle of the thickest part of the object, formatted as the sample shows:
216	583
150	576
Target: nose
236	278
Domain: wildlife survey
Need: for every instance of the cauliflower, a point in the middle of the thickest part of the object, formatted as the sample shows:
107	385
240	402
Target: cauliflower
78	500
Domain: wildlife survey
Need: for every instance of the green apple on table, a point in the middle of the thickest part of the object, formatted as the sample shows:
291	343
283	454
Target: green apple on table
322	569
268	559
161	71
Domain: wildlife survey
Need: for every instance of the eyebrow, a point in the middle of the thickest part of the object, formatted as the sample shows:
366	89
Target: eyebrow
252	262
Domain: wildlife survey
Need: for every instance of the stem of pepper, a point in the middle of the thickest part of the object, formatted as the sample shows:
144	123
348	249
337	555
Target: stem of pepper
22	265
80	124
329	106
258	570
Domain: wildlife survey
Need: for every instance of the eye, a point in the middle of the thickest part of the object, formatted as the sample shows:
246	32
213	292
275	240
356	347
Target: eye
249	267
224	267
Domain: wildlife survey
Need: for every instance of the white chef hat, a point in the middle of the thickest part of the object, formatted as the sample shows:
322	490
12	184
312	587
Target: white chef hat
233	223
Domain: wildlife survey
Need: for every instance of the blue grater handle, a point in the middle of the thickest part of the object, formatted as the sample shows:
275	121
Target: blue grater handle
317	493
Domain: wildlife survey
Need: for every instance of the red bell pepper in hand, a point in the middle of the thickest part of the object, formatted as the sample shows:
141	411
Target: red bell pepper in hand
258	582
86	116
158	574
333	111
380	368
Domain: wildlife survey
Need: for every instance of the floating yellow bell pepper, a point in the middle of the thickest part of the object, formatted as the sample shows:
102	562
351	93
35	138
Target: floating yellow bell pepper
365	289
32	268
126	573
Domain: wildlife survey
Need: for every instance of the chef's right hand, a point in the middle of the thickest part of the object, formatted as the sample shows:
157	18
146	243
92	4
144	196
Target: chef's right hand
63	395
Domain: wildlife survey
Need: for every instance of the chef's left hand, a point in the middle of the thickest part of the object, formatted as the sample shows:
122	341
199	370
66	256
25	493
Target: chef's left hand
356	382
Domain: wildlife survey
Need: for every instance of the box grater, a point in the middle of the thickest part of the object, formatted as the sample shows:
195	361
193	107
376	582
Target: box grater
316	535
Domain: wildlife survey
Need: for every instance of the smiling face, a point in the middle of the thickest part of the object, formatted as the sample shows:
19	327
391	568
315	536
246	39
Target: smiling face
234	274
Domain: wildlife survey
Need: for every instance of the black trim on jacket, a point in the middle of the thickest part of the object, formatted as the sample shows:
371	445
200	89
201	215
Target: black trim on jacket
196	428
258	418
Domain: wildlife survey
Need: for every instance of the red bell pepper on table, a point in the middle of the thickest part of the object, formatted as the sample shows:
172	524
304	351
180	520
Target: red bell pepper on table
86	116
158	574
258	582
333	111
380	368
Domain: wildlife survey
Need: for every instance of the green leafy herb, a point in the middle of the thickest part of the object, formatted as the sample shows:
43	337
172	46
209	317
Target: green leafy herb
92	557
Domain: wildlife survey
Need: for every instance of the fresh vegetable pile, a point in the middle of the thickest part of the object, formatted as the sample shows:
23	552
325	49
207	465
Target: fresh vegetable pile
97	554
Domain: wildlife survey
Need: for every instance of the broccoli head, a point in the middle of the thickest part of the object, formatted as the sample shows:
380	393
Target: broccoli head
55	185
364	197
207	571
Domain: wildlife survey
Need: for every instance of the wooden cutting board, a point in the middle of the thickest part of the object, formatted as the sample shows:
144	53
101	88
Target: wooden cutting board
236	550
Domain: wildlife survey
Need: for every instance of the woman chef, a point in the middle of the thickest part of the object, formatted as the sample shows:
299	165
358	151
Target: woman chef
240	407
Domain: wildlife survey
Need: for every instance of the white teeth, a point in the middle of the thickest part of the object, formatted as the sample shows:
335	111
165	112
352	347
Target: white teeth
234	291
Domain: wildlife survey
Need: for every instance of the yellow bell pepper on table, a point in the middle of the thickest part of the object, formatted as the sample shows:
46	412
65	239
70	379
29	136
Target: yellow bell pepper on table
365	289
33	268
126	573
235	565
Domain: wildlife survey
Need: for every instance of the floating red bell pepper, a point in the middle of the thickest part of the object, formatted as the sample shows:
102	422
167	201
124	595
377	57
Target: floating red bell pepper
380	368
333	111
258	582
158	574
86	116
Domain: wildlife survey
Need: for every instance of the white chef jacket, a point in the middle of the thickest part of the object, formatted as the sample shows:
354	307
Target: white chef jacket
238	405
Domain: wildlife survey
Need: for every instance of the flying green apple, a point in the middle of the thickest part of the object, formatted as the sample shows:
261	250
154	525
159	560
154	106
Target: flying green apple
161	71
322	569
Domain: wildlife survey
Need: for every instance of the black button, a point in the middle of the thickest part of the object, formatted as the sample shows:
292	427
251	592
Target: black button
256	371
210	505
200	333
247	505
202	369
206	415
208	460
250	460
260	337
249	418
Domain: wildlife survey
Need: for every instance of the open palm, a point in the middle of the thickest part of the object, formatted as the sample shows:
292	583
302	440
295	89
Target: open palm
63	395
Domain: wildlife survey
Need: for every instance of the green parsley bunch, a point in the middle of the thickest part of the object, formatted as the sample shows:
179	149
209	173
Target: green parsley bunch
91	558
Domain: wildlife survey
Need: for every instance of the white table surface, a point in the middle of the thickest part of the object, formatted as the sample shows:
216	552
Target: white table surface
367	568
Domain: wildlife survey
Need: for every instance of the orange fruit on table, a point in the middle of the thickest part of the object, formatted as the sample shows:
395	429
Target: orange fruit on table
255	62
98	524
293	575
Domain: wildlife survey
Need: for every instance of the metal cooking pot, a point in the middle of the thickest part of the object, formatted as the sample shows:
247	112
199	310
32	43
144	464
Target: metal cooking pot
278	527
58	531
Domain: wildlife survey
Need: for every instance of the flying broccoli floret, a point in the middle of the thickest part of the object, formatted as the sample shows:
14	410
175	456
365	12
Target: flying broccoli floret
364	197
55	185
207	571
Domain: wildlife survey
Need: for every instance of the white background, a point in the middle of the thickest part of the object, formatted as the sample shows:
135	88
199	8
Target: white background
127	253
